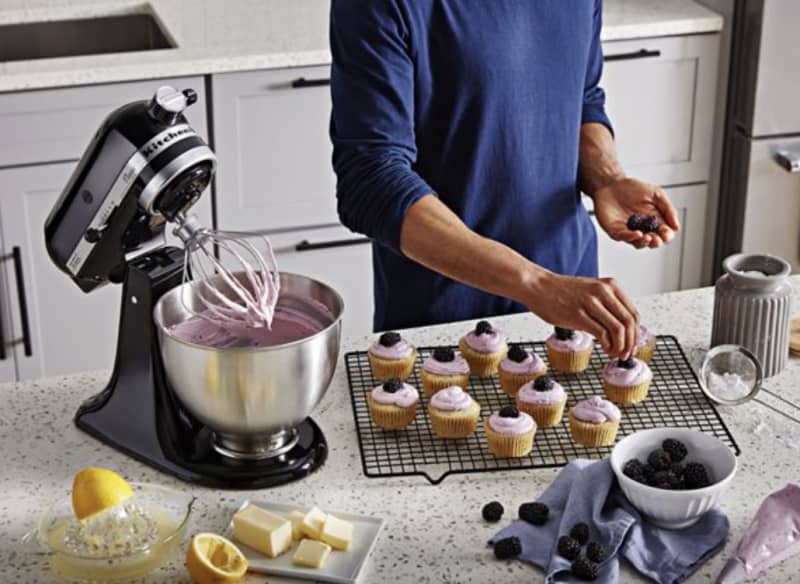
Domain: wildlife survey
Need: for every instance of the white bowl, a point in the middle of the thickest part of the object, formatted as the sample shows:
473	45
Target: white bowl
675	509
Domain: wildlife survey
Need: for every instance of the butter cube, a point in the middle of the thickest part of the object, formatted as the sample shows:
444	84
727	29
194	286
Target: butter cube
263	531
313	522
296	517
337	532
311	553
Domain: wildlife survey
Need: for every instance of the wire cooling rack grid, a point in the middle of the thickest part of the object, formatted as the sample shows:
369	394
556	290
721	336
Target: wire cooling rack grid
675	399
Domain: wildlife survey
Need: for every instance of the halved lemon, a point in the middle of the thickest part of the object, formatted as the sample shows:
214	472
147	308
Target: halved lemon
96	489
212	559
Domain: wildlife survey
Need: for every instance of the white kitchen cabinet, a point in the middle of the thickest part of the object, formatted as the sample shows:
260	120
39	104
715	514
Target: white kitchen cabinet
271	138
672	267
337	257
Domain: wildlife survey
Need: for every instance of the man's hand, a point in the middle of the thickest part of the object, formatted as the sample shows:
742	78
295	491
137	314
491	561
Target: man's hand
615	202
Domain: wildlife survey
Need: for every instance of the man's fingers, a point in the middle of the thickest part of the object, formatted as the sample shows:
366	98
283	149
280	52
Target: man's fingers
666	234
613	327
594	328
667	210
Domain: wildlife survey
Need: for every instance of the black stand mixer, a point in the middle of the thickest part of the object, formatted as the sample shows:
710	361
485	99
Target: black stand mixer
144	168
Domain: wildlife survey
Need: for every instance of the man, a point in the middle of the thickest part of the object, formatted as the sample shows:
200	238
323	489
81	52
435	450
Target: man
463	133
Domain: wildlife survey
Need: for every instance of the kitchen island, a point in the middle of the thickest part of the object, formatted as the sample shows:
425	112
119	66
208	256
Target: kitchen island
432	533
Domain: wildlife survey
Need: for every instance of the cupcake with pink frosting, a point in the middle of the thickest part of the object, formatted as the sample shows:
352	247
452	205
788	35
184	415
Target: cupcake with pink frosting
444	368
393	404
544	400
569	351
453	413
627	381
483	348
647	344
509	432
391	356
518	368
594	422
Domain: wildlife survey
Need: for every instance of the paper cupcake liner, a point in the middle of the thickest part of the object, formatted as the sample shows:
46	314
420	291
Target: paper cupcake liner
457	424
569	361
431	383
391	417
511	382
646	353
508	446
385	369
545	415
481	364
621	394
592	435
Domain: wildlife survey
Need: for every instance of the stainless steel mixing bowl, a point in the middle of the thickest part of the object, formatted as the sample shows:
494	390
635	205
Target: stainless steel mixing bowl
252	398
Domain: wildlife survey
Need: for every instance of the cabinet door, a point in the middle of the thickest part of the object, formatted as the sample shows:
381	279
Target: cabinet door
271	139
676	266
68	331
337	257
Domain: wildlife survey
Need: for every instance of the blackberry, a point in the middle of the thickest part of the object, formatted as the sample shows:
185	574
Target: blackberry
650	224
635	221
492	511
444	354
628	363
517	354
543	383
677	449
568	547
634	469
563	334
484	327
506	548
389	339
596	552
393	385
695	476
665	479
580	533
659	459
677	468
535	513
585	569
508	412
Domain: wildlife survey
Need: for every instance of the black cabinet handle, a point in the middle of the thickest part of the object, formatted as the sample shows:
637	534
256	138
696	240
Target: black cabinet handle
23	301
640	54
303	82
306	245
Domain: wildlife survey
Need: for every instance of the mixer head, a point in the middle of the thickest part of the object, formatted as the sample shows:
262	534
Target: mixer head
145	166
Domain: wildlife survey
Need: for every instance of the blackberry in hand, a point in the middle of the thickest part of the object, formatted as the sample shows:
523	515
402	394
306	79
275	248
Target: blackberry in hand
509	547
695	476
628	363
393	385
563	334
585	569
389	339
659	459
444	354
596	552
580	533
568	547
517	354
483	327
635	221
650	224
492	511
535	513
677	449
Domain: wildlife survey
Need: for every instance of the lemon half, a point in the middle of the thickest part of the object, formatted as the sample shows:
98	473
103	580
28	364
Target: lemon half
212	559
96	489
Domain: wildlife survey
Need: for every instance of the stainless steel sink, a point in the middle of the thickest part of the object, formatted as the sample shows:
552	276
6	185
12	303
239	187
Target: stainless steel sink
89	36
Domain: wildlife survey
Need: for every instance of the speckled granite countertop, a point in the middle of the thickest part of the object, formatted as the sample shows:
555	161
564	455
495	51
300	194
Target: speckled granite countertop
433	533
216	36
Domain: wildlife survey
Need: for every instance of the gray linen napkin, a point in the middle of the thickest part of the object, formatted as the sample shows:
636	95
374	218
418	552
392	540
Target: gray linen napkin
587	491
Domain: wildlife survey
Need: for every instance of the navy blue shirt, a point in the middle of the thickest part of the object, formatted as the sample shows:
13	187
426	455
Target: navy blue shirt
479	102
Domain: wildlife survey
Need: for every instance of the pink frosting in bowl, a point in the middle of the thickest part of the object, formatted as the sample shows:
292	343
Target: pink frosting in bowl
451	399
404	397
532	364
580	341
529	395
623	377
511	426
400	350
597	411
457	366
490	342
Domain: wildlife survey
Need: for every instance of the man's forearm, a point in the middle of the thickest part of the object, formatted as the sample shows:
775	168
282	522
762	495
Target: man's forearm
598	165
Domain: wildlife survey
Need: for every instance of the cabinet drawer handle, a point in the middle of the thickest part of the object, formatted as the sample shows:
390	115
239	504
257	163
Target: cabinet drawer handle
301	82
788	160
640	54
23	300
306	245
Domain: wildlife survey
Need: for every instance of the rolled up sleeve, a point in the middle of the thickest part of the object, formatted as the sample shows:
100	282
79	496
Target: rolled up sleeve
372	123
594	98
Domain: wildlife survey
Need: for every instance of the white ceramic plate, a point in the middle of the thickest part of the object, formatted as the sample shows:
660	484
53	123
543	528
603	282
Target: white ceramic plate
339	568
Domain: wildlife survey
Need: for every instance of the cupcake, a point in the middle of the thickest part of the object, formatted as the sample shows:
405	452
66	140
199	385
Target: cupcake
442	369
647	344
393	405
569	351
594	422
626	381
509	433
519	367
391	356
543	399
453	413
483	348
